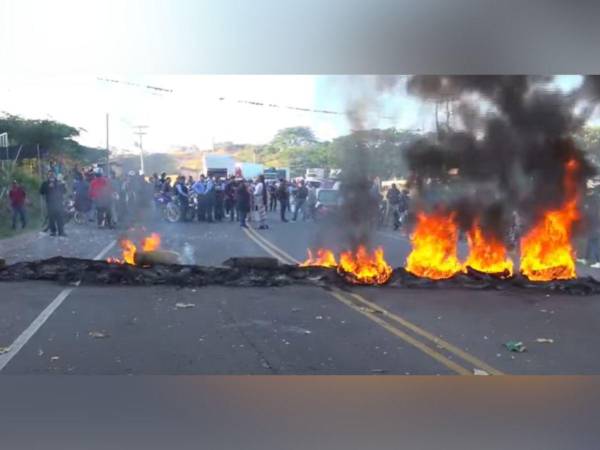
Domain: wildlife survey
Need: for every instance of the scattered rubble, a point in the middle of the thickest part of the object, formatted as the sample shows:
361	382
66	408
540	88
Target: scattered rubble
98	334
515	346
184	305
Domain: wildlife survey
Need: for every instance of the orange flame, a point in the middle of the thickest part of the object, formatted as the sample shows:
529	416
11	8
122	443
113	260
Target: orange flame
487	253
434	252
129	249
546	250
151	243
365	268
324	258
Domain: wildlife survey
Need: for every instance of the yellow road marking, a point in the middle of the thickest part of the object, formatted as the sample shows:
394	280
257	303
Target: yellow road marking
278	253
405	337
263	246
476	362
286	256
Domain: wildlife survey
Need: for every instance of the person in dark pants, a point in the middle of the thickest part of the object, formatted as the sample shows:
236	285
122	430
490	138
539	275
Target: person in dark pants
243	203
210	199
272	190
199	188
230	192
219	200
53	193
283	196
17	203
101	195
301	196
183	198
393	198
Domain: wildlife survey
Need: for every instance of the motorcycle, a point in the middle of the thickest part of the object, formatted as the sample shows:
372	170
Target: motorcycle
71	213
167	207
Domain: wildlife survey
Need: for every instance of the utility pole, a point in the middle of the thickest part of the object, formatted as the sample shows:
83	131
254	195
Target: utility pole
140	132
4	143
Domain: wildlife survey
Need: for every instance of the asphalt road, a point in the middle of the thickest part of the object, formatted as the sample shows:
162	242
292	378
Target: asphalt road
50	329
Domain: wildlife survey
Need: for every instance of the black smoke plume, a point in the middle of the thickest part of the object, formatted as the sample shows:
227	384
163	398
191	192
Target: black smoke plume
510	158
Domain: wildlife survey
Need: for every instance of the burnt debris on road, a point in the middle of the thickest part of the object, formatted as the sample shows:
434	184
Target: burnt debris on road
265	272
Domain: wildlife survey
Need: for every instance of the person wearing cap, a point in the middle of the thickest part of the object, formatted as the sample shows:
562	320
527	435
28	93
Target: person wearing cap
17	198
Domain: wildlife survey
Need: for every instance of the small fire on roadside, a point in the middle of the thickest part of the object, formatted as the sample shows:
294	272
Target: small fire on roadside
359	267
487	253
362	267
129	249
546	250
323	258
434	252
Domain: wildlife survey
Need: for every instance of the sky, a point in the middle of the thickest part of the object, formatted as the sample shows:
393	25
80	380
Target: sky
202	109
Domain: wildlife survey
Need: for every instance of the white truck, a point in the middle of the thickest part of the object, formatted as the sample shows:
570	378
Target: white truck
215	165
315	173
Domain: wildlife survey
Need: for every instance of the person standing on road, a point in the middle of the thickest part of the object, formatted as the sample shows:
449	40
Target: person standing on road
183	198
283	196
272	192
243	203
219	199
17	198
393	199
210	199
199	188
53	193
301	196
260	200
230	189
83	204
101	195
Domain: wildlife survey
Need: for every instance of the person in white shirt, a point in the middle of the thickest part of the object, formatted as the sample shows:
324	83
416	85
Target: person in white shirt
260	201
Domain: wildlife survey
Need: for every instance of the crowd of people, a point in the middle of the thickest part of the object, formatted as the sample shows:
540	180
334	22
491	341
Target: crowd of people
213	199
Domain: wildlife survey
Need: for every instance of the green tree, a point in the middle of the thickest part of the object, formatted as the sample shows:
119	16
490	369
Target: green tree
385	150
294	137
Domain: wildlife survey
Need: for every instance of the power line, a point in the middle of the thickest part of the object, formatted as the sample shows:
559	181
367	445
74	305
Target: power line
248	102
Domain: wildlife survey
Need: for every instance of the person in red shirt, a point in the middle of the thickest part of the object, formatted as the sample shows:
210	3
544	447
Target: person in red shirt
17	197
101	195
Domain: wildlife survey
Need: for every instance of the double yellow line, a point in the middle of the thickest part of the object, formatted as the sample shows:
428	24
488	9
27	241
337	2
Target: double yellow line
393	323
